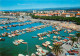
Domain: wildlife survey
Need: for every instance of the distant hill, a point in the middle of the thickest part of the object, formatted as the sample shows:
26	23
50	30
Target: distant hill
30	10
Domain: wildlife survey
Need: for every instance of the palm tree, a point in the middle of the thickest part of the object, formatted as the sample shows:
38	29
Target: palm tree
73	40
78	36
57	49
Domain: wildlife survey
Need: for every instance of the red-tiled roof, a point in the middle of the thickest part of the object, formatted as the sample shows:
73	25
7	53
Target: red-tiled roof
78	14
56	13
41	14
65	13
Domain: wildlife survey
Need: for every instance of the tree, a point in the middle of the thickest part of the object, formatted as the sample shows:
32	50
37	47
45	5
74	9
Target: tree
57	49
58	18
73	40
78	36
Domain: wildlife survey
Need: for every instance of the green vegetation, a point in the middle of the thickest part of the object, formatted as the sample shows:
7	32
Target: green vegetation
78	36
59	18
57	49
73	40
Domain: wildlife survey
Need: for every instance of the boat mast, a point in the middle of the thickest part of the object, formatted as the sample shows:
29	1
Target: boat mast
27	49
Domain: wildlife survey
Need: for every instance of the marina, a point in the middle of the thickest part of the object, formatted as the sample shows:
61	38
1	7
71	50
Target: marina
32	37
40	28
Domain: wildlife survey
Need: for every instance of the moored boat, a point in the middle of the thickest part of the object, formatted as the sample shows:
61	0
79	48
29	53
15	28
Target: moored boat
33	54
10	36
34	36
24	42
1	39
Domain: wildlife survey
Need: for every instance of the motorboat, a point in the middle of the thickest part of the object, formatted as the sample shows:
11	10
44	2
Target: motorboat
34	36
10	36
48	35
44	44
50	47
65	31
24	42
13	35
37	46
20	55
41	38
45	37
17	42
1	39
23	32
54	36
33	54
59	37
47	42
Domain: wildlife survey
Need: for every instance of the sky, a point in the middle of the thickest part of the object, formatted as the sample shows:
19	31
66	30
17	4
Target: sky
34	4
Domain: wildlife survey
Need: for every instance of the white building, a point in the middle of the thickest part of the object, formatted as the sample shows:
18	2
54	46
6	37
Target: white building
34	11
67	15
22	13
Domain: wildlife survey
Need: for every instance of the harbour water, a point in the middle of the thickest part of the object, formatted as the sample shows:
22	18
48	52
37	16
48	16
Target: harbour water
7	48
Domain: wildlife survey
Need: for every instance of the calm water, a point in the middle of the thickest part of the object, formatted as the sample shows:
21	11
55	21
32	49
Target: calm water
7	48
3	18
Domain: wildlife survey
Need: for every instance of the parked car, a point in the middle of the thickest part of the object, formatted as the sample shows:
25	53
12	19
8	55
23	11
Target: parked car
73	51
70	54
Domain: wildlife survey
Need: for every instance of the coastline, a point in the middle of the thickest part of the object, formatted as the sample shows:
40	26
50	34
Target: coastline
63	24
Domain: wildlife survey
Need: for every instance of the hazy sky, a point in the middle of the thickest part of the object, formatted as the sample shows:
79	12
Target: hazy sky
31	4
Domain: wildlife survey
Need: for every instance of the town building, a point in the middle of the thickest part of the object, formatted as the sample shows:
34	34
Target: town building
78	15
42	15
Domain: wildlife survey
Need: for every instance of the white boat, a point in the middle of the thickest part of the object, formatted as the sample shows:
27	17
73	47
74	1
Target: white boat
10	36
17	31
71	34
41	52
37	46
19	41
34	29
20	55
48	35
27	31
59	37
65	31
13	35
23	32
27	55
50	47
33	54
24	42
41	38
15	43
23	29
54	36
47	42
38	53
45	37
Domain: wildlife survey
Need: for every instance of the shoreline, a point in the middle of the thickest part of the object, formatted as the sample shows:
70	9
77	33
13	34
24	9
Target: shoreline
67	25
63	24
